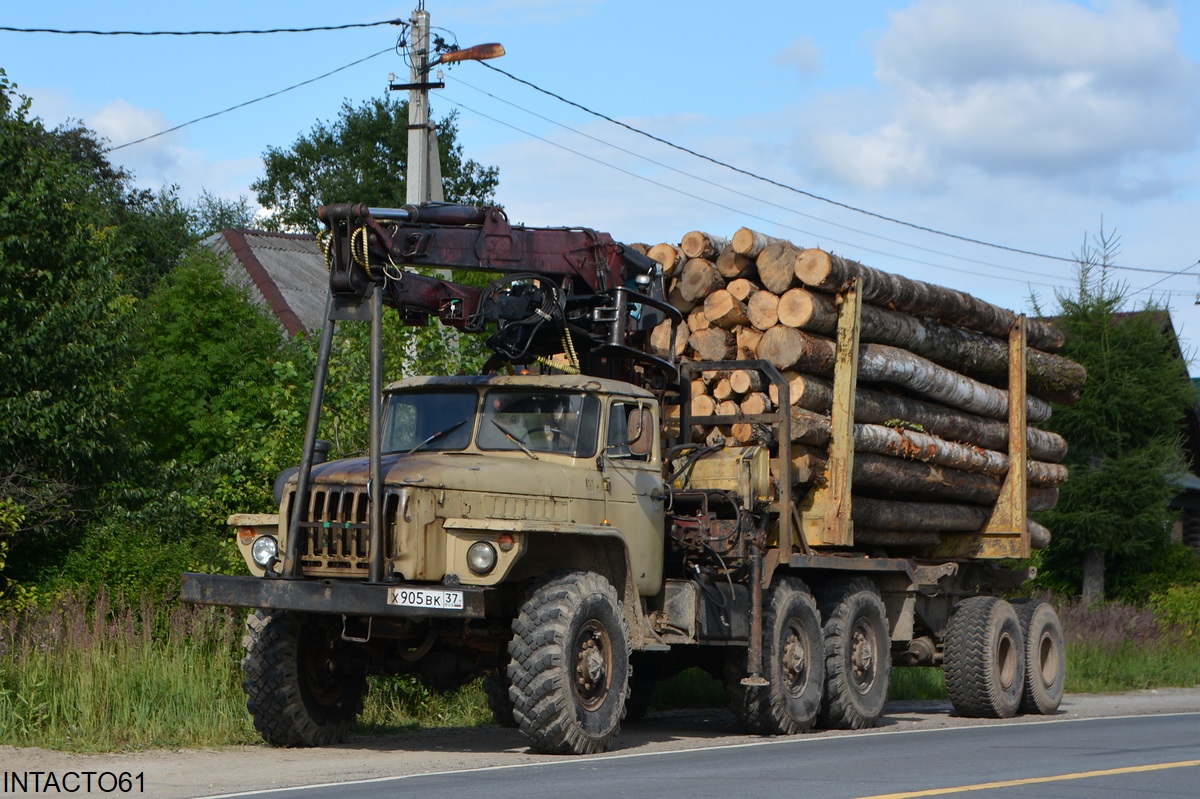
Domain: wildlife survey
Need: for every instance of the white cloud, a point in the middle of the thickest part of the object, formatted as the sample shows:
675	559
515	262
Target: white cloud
1046	88
802	55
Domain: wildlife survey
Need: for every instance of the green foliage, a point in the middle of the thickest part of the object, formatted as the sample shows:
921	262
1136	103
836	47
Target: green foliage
1125	454
212	214
362	157
1179	608
203	355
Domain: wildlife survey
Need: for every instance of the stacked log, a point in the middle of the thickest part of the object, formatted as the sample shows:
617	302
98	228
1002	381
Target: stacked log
931	432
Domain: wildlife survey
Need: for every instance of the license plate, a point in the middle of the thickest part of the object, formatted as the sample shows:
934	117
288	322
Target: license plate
425	598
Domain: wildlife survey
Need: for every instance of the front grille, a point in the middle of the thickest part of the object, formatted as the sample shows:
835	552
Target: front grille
335	530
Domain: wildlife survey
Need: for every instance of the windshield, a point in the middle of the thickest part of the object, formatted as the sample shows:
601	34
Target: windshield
540	421
429	420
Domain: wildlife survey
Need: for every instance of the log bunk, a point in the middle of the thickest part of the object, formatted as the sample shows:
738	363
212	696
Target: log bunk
910	407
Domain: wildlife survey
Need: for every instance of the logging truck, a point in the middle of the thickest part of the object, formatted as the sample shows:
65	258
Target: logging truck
648	476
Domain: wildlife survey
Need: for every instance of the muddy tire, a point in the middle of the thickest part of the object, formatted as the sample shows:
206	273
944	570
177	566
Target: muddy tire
303	686
1045	657
569	666
985	658
495	688
793	665
858	658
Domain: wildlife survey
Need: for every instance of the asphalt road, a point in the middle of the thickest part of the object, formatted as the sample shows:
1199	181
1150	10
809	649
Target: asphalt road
1155	756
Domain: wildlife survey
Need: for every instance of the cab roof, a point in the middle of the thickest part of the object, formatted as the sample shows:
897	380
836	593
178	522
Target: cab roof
592	385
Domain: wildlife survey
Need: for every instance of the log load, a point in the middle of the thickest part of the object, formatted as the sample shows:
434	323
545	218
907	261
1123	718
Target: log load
930	432
827	272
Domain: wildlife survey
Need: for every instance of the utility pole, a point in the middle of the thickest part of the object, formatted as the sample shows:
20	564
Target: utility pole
424	179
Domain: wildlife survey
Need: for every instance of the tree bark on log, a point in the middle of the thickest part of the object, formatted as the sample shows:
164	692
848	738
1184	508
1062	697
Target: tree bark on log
698	244
884	364
826	272
873	407
713	344
750	242
931	517
814	429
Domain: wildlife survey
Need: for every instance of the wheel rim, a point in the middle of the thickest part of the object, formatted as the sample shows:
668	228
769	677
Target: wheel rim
795	661
593	665
1048	663
323	675
863	659
1006	657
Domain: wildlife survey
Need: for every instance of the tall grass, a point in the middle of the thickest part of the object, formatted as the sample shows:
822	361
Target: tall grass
85	675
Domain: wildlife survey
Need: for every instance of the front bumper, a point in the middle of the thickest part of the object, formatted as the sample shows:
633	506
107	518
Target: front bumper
321	596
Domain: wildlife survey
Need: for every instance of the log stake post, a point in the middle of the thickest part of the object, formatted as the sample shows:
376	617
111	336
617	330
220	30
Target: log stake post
1006	534
828	519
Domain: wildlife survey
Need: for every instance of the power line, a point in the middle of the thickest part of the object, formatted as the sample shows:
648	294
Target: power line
752	197
248	102
717	204
204	33
803	192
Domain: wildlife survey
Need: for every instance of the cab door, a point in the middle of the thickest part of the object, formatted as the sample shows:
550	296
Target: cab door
634	486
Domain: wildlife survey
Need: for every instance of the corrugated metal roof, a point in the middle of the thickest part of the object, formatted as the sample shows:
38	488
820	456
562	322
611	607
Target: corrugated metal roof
285	272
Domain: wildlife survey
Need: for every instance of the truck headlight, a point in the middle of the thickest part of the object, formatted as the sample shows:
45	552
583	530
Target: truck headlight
264	549
481	557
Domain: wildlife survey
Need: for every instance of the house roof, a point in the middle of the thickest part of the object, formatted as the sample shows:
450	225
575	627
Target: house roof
285	272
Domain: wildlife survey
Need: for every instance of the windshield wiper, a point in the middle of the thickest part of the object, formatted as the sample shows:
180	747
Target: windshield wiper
514	439
437	435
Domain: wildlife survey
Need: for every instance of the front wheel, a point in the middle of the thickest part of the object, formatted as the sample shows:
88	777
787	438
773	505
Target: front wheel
570	665
303	686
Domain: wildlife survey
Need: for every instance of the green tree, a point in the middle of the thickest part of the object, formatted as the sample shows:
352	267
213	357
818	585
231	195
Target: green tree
361	157
1126	454
203	354
78	246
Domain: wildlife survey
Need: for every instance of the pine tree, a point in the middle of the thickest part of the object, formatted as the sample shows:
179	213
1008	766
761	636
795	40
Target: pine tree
1126	452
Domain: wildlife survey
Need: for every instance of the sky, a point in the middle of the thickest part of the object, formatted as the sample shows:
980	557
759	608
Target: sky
980	145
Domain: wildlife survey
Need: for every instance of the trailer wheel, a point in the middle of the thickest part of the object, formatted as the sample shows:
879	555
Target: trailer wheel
495	688
857	658
302	685
570	665
985	658
793	665
1045	656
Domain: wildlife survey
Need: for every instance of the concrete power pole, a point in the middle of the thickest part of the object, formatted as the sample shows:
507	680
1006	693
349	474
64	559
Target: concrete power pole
424	179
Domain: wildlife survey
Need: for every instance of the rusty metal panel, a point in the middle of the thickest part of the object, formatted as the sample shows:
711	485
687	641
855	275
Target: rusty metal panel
826	518
1006	534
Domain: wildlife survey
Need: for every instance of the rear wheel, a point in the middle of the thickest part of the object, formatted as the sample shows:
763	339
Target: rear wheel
570	665
1045	656
303	686
857	658
985	658
793	665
